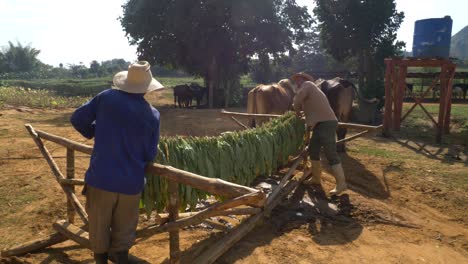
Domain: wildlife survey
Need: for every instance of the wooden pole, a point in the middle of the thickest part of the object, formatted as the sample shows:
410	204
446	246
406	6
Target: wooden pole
442	104
73	232
213	253
65	142
276	192
352	137
70	176
72	181
58	175
164	218
174	249
217	250
359	126
34	245
448	111
211	185
239	123
224	112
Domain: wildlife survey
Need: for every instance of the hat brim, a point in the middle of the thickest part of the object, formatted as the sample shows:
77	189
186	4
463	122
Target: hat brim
120	83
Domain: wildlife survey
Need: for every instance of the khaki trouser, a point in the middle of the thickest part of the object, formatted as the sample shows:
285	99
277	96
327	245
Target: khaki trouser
113	218
324	136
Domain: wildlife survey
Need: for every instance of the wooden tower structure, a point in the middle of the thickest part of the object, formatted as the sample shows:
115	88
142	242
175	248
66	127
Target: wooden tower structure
395	86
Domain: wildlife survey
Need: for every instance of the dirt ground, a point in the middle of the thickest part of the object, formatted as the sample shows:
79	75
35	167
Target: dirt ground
406	204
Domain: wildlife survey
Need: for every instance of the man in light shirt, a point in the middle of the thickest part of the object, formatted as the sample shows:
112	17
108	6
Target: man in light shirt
321	119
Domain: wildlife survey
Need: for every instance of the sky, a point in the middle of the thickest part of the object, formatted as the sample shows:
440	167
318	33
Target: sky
71	32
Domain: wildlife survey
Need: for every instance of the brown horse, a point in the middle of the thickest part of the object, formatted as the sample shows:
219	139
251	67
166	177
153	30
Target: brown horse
278	98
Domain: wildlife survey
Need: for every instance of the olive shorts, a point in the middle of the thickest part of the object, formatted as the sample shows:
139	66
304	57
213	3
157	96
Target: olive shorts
113	219
324	136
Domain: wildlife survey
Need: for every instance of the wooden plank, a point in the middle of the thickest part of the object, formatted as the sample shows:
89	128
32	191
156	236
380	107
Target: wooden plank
70	176
65	142
174	248
34	245
58	174
73	232
211	185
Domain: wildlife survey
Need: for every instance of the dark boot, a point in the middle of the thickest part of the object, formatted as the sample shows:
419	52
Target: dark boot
121	257
101	258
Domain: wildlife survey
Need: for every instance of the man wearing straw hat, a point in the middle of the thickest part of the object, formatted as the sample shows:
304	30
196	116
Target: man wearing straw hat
321	119
126	133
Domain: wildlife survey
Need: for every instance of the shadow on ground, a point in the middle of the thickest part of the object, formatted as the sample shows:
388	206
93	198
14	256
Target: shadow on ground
327	220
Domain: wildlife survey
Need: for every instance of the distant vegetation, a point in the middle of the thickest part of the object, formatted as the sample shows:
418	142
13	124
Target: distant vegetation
17	96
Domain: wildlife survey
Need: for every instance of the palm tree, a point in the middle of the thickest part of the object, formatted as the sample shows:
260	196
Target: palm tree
20	58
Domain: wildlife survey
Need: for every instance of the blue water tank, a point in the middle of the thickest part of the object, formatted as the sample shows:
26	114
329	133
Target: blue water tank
432	37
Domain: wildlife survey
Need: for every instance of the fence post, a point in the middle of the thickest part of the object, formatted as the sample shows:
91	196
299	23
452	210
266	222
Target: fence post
174	250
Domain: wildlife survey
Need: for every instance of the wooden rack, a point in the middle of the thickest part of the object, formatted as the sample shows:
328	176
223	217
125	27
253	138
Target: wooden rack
242	200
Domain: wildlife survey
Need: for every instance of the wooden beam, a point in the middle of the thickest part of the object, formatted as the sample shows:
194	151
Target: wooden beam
34	245
173	208
224	112
211	185
65	142
72	232
58	174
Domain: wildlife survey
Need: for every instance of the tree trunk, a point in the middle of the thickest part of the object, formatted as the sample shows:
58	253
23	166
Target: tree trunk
212	80
361	70
227	92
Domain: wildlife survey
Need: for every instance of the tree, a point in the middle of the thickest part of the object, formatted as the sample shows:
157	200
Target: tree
213	39
95	68
19	58
365	29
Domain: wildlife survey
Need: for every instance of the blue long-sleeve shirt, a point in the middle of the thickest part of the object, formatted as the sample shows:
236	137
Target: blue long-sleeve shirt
126	133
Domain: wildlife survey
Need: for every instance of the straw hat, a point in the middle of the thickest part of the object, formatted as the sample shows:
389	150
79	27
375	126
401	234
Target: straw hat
138	79
302	75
